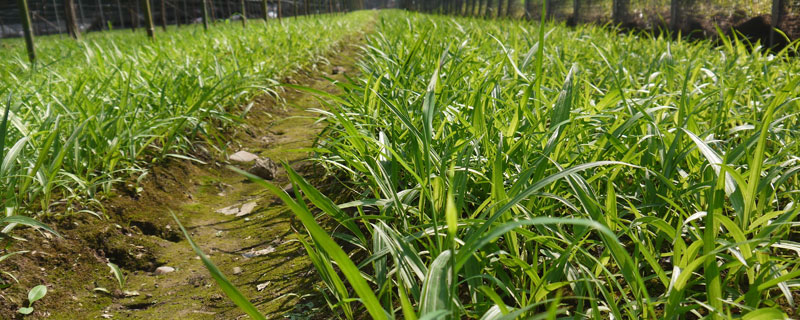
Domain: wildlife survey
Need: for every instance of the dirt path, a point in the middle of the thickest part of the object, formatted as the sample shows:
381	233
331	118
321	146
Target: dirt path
257	251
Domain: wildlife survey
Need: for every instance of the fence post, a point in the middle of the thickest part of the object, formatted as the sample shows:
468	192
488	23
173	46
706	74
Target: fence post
280	12
212	10
528	9
177	14
72	19
163	15
776	13
244	15
137	9
576	11
102	15
674	14
471	11
80	11
58	19
134	16
119	12
27	29
265	8
205	14
620	11
148	14
185	13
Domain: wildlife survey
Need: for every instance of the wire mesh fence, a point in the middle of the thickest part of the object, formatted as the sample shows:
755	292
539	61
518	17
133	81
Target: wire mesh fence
51	16
693	18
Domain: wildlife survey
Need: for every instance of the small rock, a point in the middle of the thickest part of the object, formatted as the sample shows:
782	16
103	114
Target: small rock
237	270
130	293
266	140
216	297
228	210
243	156
259	253
337	70
262	286
246	209
164	270
264	168
289	189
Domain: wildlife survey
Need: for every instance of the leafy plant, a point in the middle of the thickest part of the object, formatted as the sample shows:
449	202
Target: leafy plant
36	293
508	169
117	273
99	111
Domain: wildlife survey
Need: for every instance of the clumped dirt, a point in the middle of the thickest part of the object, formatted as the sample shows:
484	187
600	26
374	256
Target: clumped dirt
139	235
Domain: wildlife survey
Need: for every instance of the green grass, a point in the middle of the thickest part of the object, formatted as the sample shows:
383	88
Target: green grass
509	171
92	113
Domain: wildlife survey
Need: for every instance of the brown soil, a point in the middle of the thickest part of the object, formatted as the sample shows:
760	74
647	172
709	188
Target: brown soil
139	234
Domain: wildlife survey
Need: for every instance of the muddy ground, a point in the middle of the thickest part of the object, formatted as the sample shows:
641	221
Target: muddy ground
257	251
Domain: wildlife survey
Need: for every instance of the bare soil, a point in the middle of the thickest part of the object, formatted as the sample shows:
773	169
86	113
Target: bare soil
139	234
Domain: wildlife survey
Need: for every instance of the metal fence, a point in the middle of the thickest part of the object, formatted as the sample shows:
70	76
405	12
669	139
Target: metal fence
50	16
756	19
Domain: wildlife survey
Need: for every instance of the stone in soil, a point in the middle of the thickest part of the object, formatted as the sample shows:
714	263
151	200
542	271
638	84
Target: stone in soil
289	189
259	253
246	208
243	156
164	270
262	286
264	169
229	210
337	70
237	270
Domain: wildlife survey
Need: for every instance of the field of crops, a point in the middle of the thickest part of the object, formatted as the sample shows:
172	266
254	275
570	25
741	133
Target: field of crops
89	113
509	171
492	169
